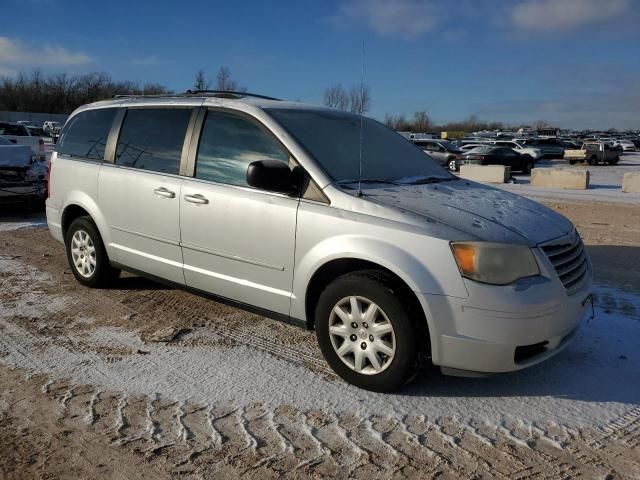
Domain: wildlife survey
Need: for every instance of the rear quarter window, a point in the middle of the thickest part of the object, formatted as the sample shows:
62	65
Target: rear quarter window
85	135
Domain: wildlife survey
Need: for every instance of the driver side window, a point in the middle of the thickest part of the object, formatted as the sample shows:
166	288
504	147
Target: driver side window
229	143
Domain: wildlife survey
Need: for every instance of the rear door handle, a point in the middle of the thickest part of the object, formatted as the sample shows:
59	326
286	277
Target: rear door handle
196	198
164	192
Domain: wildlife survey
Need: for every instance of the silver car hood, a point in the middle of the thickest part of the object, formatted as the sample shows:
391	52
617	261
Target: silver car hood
484	212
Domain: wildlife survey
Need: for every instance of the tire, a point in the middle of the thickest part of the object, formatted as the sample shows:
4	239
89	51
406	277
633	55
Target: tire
84	244
615	160
452	164
593	161
572	162
393	347
528	165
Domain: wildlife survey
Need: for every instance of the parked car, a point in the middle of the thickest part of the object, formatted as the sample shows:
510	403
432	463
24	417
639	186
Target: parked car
520	148
495	155
470	146
22	176
48	126
594	153
441	151
627	145
25	123
550	147
276	207
19	135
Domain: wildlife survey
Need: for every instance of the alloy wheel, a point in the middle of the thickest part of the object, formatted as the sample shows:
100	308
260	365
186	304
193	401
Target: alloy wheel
83	253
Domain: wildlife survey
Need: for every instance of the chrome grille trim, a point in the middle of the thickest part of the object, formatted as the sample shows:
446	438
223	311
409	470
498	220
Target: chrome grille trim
569	259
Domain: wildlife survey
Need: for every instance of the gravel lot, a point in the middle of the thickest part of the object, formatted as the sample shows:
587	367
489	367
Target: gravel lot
85	396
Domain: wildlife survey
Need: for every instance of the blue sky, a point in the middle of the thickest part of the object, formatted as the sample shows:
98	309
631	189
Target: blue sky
574	63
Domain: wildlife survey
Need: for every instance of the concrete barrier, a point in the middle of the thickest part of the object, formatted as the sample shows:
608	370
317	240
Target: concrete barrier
486	173
560	178
631	182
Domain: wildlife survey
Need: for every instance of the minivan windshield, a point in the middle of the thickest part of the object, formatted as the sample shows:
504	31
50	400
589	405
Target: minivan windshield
333	140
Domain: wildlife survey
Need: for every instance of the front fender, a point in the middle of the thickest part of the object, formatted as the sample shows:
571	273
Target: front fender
433	273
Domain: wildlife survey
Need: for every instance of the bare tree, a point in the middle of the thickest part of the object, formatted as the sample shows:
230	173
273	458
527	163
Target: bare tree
336	97
360	99
61	93
226	83
200	82
421	121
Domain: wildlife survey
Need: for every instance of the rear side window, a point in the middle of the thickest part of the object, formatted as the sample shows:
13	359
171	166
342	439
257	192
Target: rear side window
85	135
152	139
229	143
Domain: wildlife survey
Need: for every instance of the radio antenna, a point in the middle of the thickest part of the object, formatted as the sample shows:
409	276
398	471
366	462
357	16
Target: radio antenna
361	108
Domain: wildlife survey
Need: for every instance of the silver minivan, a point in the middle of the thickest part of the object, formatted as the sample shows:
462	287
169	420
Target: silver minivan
322	219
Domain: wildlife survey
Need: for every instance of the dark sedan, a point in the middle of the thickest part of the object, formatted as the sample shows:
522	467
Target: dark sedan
492	155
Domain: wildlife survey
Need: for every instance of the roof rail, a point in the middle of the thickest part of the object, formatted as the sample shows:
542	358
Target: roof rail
228	94
201	93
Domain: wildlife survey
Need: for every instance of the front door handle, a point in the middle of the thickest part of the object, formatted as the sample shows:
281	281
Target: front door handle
164	192
196	198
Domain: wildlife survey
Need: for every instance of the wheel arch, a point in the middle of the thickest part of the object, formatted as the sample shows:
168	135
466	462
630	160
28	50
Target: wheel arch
336	267
79	204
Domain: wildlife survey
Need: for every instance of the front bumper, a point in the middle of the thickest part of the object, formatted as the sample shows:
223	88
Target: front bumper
505	328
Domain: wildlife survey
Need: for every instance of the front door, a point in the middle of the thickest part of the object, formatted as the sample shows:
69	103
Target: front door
237	242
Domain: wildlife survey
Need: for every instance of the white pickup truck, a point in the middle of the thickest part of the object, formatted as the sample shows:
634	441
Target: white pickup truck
19	135
594	153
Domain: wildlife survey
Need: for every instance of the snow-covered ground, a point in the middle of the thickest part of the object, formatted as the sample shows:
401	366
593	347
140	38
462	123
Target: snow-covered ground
593	382
605	182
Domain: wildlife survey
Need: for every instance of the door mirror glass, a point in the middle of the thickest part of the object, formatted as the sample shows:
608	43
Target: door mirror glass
271	175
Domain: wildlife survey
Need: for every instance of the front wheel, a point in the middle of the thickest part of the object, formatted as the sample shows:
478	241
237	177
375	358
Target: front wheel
87	256
365	332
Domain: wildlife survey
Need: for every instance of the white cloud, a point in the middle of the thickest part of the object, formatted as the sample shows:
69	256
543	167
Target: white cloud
15	53
549	15
403	18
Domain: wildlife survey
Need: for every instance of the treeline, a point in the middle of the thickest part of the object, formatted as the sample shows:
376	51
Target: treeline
62	93
421	123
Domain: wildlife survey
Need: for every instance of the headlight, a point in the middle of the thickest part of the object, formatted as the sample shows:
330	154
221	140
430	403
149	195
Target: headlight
494	263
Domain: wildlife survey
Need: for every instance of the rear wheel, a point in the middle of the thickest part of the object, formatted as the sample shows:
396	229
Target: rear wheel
87	256
593	160
453	166
365	331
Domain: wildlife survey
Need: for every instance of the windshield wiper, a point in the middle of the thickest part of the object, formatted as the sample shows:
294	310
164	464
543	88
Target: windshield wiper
426	180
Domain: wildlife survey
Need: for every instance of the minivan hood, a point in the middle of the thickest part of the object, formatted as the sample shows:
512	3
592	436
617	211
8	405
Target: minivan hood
484	212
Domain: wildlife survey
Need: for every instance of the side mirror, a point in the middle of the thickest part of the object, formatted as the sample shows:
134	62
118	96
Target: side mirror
271	175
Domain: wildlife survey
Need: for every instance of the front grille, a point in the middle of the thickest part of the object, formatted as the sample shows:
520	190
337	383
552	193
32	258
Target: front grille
570	263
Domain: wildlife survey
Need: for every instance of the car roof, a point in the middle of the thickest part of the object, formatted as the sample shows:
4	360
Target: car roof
236	100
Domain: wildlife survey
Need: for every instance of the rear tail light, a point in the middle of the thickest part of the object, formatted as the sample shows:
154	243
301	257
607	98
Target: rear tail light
475	157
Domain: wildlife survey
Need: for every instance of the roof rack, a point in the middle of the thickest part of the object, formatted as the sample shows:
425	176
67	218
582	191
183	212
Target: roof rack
202	93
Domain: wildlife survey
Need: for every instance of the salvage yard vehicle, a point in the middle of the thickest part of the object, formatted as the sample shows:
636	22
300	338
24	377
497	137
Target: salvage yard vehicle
442	151
550	147
495	155
520	148
323	219
22	176
594	153
19	135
